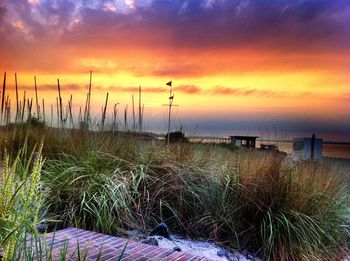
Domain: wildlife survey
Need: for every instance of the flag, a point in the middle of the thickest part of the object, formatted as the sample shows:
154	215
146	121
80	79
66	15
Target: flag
169	83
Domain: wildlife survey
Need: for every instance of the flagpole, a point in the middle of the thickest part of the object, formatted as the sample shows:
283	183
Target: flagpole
170	103
171	99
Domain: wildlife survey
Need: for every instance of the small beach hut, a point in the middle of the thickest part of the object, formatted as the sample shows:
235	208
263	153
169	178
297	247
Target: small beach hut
307	148
244	141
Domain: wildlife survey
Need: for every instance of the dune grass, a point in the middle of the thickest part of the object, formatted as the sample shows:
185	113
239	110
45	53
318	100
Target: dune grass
240	198
20	199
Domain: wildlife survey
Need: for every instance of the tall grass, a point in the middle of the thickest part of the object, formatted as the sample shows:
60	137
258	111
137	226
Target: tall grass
20	199
241	198
41	248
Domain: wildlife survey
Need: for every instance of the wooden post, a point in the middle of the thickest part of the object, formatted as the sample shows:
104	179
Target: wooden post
140	112
44	116
24	105
60	100
133	114
70	110
115	112
8	113
6	110
3	96
30	104
36	99
86	108
313	141
143	109
58	112
17	106
104	112
51	118
67	114
89	100
126	117
79	117
19	111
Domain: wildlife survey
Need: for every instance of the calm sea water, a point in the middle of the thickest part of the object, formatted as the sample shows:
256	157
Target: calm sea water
329	150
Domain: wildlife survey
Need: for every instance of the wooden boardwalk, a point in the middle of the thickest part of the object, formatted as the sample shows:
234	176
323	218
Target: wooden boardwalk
108	247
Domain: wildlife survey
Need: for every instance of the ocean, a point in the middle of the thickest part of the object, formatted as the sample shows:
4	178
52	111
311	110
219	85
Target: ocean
330	149
334	150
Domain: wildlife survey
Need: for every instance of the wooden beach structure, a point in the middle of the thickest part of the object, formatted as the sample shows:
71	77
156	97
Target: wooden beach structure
244	141
307	148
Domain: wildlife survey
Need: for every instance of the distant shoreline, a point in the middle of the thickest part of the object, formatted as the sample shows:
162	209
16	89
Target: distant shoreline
324	142
262	140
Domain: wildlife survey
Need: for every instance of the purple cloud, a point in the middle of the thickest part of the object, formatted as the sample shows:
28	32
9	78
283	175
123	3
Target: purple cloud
43	31
191	24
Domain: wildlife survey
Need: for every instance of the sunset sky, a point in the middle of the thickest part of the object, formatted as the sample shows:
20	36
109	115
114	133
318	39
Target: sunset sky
273	68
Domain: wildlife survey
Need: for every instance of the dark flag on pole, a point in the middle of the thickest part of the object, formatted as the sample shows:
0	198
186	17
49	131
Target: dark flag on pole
170	105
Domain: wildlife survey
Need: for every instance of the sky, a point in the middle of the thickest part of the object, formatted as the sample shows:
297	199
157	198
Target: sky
276	68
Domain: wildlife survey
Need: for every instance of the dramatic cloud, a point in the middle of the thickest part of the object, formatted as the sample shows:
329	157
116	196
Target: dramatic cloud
190	24
174	38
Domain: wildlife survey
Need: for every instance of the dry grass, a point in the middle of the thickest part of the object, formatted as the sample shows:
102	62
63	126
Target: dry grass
243	198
